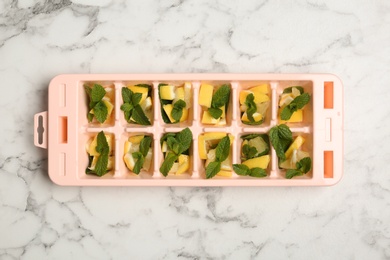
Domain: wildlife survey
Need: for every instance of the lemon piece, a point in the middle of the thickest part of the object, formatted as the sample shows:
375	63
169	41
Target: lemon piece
286	99
296	117
168	109
259	97
164	147
258	143
205	95
142	90
127	147
222	121
109	106
129	161
256	116
110	164
184	163
299	140
184	116
210	157
148	160
207	119
262	108
226	165
167	92
243	94
261	162
263	88
188	95
136	139
243	108
224	173
295	92
174	168
202	147
179	94
146	104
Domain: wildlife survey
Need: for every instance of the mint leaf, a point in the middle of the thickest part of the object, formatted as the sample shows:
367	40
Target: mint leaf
284	132
126	107
145	144
166	136
289	89
251	106
101	165
223	149
241	169
90	117
97	93
184	137
292	173
102	144
127	95
103	149
215	112
168	162
280	137
221	97
136	98
212	169
88	89
174	145
139	163
177	110
304	165
301	100
139	116
257	172
286	113
100	111
249	151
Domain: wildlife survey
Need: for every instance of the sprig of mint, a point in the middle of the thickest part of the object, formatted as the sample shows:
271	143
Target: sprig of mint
251	106
249	152
303	167
144	146
243	170
102	162
281	138
132	108
220	98
100	110
178	144
298	103
221	154
177	110
262	136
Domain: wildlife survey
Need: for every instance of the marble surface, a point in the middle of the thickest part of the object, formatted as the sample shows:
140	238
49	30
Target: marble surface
40	39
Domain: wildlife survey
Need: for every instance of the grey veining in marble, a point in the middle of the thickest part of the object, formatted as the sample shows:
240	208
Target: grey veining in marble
40	39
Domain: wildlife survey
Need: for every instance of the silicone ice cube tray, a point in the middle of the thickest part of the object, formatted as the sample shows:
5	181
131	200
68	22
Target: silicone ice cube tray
64	129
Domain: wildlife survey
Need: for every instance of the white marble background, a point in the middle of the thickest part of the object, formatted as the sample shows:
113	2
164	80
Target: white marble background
40	39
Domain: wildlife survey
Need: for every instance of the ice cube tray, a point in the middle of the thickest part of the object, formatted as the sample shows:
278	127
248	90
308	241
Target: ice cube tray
64	129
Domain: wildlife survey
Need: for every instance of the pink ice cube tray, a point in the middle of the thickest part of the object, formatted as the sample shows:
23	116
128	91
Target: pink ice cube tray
64	129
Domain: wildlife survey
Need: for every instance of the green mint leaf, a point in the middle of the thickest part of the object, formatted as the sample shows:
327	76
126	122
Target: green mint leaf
127	95
251	106
102	144
126	107
289	89
166	136
100	111
136	98
101	165
139	116
127	115
180	104
144	145
304	165
177	110
286	113
257	172
88	90
223	149
301	100
212	169
284	132
292	173
184	137
168	163
103	149
221	96
275	141
241	169
249	151
215	112
97	93
90	117
138	164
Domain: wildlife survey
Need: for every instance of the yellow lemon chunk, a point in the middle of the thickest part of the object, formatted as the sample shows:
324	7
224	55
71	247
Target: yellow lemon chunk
148	160
227	164
188	95
204	139
167	92
174	168
129	161
179	94
184	163
286	99
109	106
184	116
256	116
168	109
294	146
261	162
243	94
223	111
224	173
146	104
142	90
110	163
205	95
259	97
136	139
258	143
263	88
92	147
127	147
207	119
291	163
296	117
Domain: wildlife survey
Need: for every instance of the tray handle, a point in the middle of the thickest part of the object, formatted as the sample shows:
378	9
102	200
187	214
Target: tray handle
40	130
